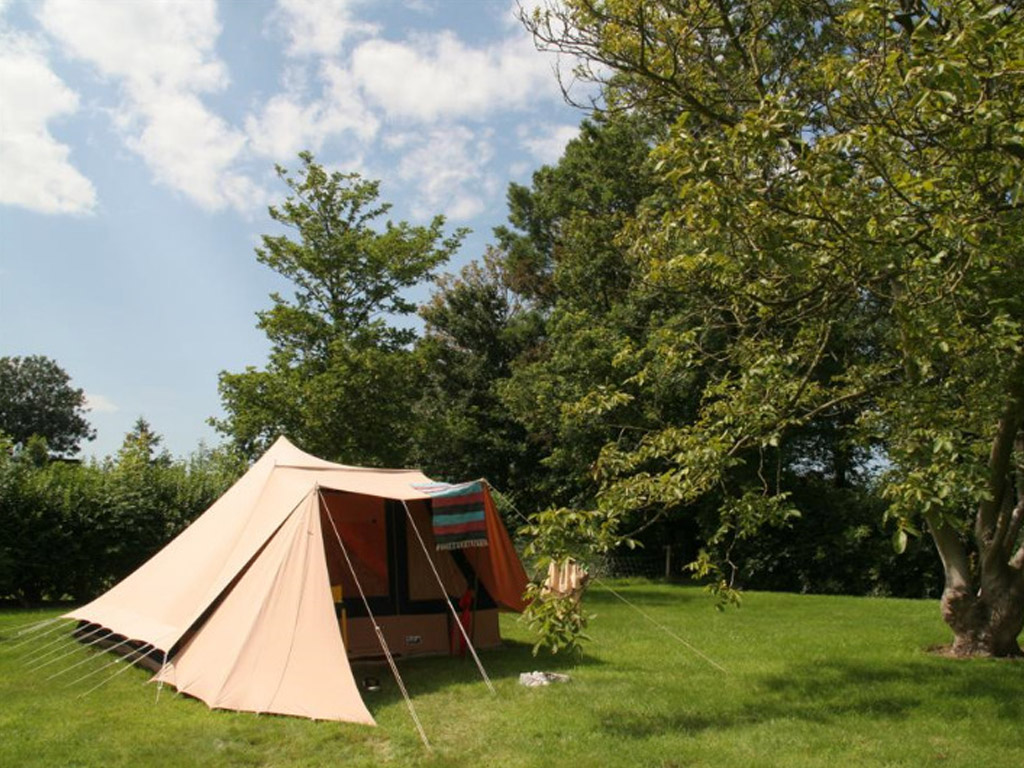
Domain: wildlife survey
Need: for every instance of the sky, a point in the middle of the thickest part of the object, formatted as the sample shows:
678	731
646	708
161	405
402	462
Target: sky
137	149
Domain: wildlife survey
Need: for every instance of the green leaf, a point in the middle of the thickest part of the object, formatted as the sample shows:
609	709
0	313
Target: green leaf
899	542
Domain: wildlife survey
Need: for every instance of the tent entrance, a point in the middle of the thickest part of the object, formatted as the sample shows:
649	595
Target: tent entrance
396	576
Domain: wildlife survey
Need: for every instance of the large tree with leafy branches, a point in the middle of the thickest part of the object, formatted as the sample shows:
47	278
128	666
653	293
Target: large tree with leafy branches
845	230
37	399
341	379
476	326
560	253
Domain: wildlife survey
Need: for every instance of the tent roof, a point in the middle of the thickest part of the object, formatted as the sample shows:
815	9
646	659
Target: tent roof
161	600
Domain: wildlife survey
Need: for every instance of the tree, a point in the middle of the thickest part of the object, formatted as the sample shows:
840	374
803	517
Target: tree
845	229
36	398
141	446
340	379
560	254
475	327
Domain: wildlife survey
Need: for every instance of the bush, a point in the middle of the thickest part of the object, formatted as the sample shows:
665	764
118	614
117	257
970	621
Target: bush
838	545
73	530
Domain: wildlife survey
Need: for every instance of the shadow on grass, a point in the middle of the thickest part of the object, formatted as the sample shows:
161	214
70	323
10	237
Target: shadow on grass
828	693
434	673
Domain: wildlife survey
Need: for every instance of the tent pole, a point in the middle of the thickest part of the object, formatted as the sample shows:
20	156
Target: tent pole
458	621
344	623
160	682
476	604
376	628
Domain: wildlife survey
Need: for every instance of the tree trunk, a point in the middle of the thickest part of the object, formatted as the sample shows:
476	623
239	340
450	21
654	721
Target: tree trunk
983	601
986	622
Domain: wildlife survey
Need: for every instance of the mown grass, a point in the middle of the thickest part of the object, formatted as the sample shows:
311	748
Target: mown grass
811	681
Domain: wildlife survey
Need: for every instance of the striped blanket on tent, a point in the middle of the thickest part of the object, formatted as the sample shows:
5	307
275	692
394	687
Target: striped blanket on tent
458	518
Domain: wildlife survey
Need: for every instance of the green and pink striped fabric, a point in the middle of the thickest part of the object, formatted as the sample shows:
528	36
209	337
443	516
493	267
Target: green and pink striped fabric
459	519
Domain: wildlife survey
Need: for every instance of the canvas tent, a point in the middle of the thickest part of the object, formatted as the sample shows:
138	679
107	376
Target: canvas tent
256	606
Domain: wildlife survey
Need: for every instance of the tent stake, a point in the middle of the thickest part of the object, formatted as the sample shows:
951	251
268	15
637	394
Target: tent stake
458	621
376	627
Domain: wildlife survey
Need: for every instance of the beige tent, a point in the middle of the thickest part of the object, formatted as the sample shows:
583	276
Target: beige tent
257	606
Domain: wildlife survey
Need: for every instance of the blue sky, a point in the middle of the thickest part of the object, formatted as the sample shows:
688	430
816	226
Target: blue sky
137	146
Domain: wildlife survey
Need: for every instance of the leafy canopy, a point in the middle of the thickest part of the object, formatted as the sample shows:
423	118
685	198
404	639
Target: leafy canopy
843	241
340	379
37	399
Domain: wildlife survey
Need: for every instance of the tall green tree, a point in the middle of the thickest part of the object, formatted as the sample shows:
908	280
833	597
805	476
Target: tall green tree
37	398
475	328
560	253
341	378
845	226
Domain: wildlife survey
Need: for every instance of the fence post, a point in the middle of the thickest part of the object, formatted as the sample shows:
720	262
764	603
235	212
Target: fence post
668	561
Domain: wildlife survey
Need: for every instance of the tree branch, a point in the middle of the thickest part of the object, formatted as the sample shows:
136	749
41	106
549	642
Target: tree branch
1013	528
1017	561
987	522
955	563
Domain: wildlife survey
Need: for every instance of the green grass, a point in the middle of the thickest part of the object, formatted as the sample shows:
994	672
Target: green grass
811	681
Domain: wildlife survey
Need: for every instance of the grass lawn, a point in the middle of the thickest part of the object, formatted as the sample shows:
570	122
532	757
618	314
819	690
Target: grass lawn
810	681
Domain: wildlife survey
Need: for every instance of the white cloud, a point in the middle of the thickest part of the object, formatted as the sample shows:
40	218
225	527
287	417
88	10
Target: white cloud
192	150
154	45
424	88
319	27
438	77
162	53
35	168
547	143
448	166
286	125
100	403
509	14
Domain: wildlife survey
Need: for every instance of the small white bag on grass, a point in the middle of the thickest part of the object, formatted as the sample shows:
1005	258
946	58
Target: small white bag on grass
533	679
